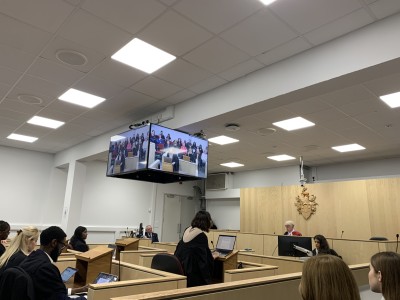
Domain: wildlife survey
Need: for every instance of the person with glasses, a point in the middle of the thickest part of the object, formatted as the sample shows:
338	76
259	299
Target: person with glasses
4	232
40	266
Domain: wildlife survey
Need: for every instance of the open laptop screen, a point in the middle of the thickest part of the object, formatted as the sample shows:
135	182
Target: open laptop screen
225	243
105	278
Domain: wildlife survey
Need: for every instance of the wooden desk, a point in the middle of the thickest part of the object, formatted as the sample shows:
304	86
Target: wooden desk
222	264
126	244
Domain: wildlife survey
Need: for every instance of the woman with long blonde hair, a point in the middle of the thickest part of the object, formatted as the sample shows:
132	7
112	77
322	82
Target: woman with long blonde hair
20	247
327	277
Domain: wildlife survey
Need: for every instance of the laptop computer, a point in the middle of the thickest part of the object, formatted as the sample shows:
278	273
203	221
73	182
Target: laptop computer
225	244
105	278
68	273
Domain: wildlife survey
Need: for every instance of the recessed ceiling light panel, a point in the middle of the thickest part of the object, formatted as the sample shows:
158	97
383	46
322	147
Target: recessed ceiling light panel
22	138
81	98
267	2
393	100
348	148
294	123
143	56
232	165
281	157
222	140
45	122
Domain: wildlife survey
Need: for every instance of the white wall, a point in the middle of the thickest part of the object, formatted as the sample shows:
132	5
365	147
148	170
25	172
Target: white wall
31	192
225	213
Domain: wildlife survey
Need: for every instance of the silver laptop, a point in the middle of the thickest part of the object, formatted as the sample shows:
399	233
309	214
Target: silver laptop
225	244
68	273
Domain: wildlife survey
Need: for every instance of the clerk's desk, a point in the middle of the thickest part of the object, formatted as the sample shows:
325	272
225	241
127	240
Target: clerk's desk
222	264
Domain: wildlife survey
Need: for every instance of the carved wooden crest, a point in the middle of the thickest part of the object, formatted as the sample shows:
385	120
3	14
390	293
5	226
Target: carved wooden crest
305	203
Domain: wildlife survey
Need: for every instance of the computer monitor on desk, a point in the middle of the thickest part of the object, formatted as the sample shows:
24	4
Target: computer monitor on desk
286	245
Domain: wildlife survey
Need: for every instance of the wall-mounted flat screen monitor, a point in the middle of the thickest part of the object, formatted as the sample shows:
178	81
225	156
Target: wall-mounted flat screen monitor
286	243
159	154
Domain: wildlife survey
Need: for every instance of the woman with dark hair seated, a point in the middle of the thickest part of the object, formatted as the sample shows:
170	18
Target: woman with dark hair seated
77	241
322	247
193	251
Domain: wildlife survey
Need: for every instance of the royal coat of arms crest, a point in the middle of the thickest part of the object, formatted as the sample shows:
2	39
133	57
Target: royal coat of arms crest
306	204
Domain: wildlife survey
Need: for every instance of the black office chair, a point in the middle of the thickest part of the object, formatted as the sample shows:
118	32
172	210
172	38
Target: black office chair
16	284
168	263
378	238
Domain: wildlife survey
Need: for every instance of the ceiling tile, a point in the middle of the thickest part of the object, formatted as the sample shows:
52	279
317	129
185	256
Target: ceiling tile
384	8
180	97
118	73
216	56
15	59
182	73
384	85
207	85
155	87
33	12
174	34
345	96
53	72
8	76
22	37
99	87
33	130
19	106
339	27
217	16
241	69
288	49
131	16
259	33
94	33
307	15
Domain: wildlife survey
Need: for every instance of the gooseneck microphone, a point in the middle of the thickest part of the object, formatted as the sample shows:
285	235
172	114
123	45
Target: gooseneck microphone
212	243
397	242
342	234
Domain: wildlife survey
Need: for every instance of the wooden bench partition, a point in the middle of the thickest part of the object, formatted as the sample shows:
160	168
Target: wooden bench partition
133	256
272	287
249	271
170	247
135	280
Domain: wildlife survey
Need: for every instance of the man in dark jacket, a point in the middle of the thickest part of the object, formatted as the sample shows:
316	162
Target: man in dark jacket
40	266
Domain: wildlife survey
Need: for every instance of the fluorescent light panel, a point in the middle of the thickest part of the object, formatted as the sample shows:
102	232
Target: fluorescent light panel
267	2
222	140
294	123
393	100
281	157
81	98
143	56
348	148
22	138
232	165
45	122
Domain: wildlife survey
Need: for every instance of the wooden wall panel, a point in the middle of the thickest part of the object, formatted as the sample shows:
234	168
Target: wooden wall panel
359	208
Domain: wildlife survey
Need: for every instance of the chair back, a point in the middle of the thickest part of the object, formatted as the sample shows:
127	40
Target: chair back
168	263
16	284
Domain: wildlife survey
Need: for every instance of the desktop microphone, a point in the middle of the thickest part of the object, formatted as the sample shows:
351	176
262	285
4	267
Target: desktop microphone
397	243
126	232
342	234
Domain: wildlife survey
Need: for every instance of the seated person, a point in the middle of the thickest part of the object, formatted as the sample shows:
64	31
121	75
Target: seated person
20	247
77	241
150	234
40	266
384	275
4	232
289	225
327	277
322	246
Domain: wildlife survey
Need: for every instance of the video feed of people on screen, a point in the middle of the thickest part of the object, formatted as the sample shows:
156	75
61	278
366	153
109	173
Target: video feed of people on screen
128	151
177	152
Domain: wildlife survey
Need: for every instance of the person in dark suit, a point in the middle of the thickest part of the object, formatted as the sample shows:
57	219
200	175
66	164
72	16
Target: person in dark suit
20	247
77	241
4	232
40	266
150	234
322	246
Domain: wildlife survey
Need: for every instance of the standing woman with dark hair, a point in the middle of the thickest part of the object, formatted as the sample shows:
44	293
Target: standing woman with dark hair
384	275
4	232
77	241
322	246
194	253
